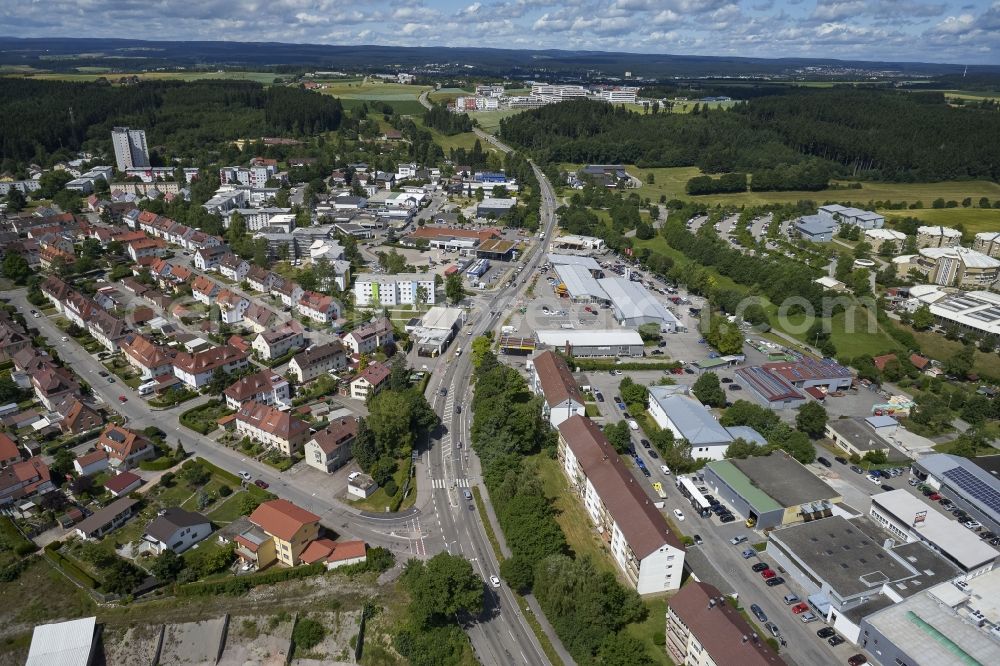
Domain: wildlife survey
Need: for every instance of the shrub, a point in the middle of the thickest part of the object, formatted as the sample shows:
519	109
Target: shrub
307	633
225	491
241	585
158	464
390	487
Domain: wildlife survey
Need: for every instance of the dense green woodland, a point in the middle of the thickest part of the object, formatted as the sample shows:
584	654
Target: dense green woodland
39	118
873	134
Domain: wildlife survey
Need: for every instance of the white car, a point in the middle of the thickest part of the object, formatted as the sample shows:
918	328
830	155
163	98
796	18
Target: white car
664	469
65	338
874	479
632	424
679	514
495	580
245	475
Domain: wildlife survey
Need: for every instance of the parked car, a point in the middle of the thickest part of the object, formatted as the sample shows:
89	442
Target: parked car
758	612
774	582
735	387
835	640
103	373
678	514
737	540
122	399
824	462
808	617
873	479
934	497
111	380
825	632
645	443
262	484
653	454
857	660
857	470
767	573
244	475
800	608
760	566
842	460
632	424
727	518
726	380
665	469
773	628
886	487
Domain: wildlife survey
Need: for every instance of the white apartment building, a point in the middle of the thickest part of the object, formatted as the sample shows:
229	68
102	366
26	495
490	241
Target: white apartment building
620	95
130	148
558	91
252	176
399	289
987	242
938	236
643	547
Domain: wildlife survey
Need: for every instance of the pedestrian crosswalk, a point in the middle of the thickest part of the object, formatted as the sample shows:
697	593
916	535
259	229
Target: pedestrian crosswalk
447	483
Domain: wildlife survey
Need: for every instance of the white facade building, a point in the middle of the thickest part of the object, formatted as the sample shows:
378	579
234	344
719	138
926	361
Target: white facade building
130	148
399	289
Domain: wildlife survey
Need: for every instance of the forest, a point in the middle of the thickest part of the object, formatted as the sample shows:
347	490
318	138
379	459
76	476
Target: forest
43	119
803	135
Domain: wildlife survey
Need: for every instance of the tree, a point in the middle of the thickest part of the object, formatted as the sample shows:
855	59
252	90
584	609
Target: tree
219	382
16	268
959	364
811	419
632	393
454	290
399	374
618	435
708	390
922	318
741	448
442	587
82	485
195	474
16	201
364	448
875	457
480	347
307	633
121	577
167	566
622	649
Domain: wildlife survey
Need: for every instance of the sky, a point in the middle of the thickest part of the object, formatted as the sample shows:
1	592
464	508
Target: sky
954	31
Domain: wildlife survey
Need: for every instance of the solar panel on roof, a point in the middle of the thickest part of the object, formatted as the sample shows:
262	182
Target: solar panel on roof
975	487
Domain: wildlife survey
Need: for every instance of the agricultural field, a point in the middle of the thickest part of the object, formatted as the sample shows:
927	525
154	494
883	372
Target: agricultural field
670	181
259	77
973	220
489	121
370	89
445	95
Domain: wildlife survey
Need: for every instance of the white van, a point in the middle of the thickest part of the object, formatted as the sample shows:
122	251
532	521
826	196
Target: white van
147	388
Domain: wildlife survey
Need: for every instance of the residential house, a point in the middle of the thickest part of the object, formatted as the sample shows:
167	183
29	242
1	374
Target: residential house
12	339
371	336
106	328
280	532
265	386
125	448
176	529
320	308
107	520
370	381
287	292
204	290
277	342
330	448
9	453
50	256
22	480
637	536
335	553
552	379
77	416
232	306
196	369
233	267
265	424
258	318
147	247
260	279
91	463
53	384
123	483
148	358
313	362
55	290
208	258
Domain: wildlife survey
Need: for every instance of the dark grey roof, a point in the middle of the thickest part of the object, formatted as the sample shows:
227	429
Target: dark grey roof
785	479
163	527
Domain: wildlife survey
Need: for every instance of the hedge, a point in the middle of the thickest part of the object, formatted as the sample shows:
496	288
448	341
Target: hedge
610	364
159	464
243	584
70	569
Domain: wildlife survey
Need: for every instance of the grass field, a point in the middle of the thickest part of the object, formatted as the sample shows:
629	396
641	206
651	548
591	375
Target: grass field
445	95
409	107
464	140
973	220
372	89
939	347
260	77
851	338
489	121
670	181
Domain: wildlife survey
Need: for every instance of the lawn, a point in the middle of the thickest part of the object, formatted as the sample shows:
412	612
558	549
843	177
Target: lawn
652	631
571	515
373	89
463	140
973	220
408	107
379	500
444	95
940	348
489	121
850	343
228	511
203	418
670	181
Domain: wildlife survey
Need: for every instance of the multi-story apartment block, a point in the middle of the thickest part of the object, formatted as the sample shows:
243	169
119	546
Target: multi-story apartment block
938	236
130	148
310	364
196	369
252	176
272	427
399	289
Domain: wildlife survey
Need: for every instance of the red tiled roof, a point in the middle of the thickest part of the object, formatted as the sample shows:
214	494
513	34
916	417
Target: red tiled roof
281	518
918	361
8	448
375	373
283	425
119	483
880	361
208	359
121	442
643	527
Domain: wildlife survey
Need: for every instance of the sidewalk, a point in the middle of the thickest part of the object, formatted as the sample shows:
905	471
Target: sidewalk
530	598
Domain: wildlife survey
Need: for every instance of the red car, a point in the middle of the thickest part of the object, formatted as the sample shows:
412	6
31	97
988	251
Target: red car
261	483
122	398
800	608
935	497
678	371
857	660
767	573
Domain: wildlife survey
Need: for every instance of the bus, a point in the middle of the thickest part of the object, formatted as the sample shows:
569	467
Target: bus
690	491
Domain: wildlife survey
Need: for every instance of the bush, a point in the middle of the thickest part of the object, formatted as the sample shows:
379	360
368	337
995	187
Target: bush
157	464
243	584
307	633
225	491
390	487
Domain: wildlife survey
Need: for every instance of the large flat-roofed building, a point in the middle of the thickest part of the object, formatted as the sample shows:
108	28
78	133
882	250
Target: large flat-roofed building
130	148
807	372
704	630
432	334
977	311
878	238
865	219
591	343
771	490
770	388
948	623
552	379
579	283
910	519
70	643
634	305
495	208
815	228
970	487
642	545
578	242
848	569
951	266
690	420
857	436
589	263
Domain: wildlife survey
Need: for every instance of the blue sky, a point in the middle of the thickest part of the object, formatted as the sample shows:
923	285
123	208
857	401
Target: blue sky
929	30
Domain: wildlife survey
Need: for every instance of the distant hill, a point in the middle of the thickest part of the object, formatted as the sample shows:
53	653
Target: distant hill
63	54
